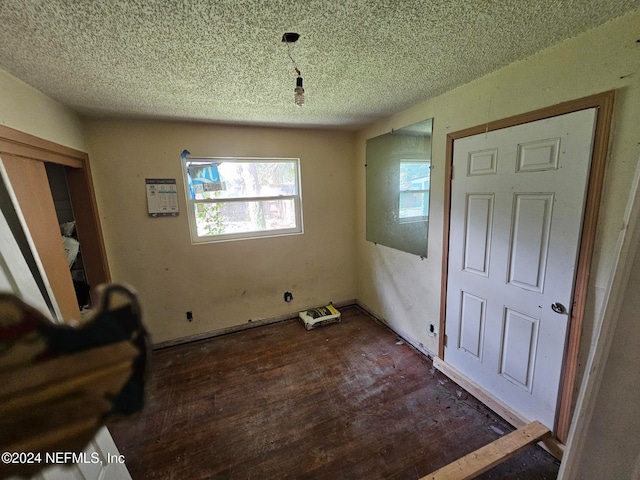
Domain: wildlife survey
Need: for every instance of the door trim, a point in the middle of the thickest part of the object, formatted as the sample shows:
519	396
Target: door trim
604	103
81	192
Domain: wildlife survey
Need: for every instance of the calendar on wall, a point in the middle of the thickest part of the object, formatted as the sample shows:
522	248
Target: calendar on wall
162	197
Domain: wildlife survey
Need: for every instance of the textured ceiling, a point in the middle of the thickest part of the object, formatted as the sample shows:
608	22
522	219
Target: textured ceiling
223	61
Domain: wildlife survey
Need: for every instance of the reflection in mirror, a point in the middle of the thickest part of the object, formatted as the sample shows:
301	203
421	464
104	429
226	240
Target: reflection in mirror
414	190
398	184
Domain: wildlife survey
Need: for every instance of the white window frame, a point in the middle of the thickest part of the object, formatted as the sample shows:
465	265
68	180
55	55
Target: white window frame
421	218
225	237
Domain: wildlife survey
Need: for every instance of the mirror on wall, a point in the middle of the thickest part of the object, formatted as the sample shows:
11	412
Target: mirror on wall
398	183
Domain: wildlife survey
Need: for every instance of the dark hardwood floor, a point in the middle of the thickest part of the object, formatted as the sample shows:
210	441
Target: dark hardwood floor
345	401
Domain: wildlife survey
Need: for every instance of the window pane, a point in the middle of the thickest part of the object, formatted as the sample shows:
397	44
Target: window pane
242	179
223	218
414	205
414	175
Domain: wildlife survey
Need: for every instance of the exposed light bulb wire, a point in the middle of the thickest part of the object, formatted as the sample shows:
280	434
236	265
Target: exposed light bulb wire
289	52
299	90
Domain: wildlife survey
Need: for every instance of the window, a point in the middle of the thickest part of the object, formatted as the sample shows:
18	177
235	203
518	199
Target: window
414	190
239	198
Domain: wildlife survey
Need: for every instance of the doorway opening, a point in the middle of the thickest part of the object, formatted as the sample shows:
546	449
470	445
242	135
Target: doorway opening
39	169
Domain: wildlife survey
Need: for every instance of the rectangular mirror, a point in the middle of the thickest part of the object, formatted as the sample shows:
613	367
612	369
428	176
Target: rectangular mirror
398	184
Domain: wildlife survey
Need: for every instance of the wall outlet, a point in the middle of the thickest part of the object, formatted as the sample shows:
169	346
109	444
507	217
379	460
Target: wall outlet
288	296
432	330
189	316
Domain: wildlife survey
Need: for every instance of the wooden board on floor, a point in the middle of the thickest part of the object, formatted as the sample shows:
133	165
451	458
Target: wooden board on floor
550	443
487	457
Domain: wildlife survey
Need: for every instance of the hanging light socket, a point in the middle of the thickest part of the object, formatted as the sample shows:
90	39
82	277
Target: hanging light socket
298	96
289	38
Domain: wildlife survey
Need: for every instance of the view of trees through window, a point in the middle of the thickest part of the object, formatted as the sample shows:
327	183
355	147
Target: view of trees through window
240	196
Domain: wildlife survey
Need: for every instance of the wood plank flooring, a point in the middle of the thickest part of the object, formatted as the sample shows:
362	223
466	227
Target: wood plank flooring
345	401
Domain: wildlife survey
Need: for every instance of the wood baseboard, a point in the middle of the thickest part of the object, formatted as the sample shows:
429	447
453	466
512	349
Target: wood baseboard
550	444
238	328
416	345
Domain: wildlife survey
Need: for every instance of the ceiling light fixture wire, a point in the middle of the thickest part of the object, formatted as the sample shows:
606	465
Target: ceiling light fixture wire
290	53
298	97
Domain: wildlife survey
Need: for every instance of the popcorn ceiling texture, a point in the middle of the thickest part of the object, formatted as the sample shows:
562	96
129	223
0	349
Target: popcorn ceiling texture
223	60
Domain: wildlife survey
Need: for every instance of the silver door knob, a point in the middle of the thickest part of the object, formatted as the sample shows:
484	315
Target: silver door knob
558	308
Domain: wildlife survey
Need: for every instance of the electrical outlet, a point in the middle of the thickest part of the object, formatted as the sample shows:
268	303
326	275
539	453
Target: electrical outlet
189	316
288	296
432	330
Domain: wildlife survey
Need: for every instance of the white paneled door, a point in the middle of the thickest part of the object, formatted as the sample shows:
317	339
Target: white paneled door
517	201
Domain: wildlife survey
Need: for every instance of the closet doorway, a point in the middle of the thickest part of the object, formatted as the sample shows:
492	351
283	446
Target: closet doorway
30	162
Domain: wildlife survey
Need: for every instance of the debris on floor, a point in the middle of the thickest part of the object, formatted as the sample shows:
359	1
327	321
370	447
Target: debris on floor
318	317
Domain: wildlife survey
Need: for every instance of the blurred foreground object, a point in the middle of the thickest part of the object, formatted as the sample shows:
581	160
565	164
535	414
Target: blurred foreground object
59	383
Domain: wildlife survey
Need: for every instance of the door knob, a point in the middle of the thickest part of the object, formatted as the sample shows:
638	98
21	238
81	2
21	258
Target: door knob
558	308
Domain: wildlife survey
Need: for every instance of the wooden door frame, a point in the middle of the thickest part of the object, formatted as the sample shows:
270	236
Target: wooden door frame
81	193
604	103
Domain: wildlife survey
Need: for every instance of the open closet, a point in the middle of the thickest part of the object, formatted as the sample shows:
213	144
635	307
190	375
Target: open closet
53	187
57	176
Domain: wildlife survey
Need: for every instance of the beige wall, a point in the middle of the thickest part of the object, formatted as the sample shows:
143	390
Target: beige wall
405	290
603	442
24	108
224	284
612	443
